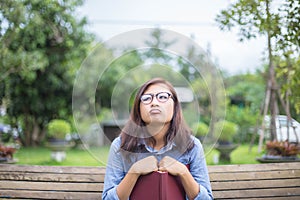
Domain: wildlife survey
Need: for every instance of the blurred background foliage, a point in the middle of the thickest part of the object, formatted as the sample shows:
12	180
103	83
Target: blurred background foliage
43	43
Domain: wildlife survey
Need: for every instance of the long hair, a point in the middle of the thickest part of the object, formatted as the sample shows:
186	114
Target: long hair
135	129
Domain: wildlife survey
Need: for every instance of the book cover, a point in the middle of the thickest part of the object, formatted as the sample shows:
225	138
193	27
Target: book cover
158	186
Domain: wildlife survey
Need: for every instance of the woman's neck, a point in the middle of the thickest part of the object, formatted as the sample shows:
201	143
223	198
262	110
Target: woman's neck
158	131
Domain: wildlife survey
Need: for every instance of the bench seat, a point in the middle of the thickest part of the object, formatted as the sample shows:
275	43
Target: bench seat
249	181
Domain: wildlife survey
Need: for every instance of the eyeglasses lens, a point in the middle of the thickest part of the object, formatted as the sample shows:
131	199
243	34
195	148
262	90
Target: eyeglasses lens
161	97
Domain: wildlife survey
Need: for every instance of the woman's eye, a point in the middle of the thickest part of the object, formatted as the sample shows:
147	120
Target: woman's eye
162	97
146	98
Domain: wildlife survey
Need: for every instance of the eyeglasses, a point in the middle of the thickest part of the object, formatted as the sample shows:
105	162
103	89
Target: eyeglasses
161	97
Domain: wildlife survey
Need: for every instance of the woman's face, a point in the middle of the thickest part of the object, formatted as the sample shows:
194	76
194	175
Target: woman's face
156	111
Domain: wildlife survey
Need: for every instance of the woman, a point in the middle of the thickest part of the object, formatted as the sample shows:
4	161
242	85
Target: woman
156	138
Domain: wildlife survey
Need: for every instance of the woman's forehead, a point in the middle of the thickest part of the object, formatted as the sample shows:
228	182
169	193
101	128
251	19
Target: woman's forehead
158	87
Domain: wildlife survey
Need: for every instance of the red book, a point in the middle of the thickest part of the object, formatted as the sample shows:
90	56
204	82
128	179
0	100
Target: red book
158	186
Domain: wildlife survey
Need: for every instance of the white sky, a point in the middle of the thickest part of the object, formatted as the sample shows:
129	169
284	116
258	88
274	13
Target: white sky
191	17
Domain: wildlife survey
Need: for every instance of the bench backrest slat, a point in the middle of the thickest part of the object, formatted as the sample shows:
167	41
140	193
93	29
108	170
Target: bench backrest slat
51	177
45	186
247	194
262	184
28	194
231	176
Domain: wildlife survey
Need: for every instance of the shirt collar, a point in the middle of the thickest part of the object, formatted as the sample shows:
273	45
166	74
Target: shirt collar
163	150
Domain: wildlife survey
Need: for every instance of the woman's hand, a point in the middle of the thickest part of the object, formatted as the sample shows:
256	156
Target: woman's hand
144	166
176	168
172	166
141	167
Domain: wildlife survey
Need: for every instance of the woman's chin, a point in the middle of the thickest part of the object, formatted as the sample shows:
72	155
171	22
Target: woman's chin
157	122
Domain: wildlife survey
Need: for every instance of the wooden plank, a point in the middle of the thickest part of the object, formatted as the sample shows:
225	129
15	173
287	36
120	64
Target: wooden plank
26	176
211	168
52	169
45	186
234	185
259	175
99	186
268	198
48	195
253	167
237	194
275	198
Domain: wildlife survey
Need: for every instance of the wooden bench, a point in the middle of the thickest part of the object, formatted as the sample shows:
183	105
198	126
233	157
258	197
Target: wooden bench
251	181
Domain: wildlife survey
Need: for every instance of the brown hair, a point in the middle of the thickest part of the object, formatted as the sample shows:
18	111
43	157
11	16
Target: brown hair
135	128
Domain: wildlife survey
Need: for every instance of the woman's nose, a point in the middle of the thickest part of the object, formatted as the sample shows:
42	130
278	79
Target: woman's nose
154	101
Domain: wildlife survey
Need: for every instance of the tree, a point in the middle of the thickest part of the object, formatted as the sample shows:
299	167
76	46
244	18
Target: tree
288	73
157	46
246	90
116	70
245	93
281	28
15	58
42	45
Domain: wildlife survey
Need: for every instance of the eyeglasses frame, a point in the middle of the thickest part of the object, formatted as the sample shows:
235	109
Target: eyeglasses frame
155	95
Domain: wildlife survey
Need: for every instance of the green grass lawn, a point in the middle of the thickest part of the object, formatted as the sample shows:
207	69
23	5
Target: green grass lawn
240	155
75	157
98	156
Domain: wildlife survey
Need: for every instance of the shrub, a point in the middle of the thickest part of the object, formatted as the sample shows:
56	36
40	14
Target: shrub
201	129
275	148
245	118
58	129
228	130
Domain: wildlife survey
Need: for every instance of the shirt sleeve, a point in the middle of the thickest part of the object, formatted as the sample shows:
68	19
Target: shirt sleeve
199	171
114	172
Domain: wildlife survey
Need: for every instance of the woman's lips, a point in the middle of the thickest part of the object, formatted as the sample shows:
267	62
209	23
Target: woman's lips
155	111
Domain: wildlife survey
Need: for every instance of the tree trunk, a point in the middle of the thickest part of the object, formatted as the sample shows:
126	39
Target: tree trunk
265	111
271	77
27	130
35	134
270	97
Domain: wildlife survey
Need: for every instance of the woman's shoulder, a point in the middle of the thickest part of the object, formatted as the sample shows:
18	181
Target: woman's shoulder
196	141
197	149
116	142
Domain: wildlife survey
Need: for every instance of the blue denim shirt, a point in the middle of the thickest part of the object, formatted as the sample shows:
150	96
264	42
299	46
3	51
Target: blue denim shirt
118	166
